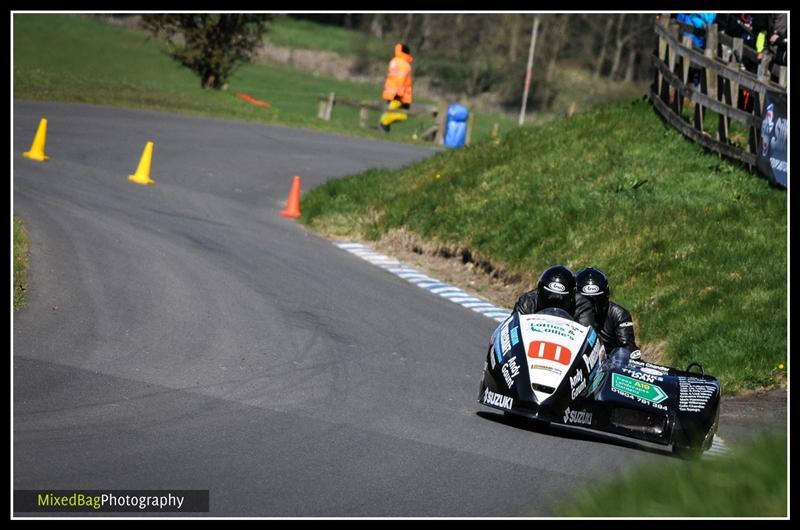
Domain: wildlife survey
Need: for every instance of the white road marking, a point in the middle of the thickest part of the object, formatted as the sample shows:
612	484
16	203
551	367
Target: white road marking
432	285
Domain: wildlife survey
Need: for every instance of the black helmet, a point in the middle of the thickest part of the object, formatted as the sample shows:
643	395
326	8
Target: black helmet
556	288
593	284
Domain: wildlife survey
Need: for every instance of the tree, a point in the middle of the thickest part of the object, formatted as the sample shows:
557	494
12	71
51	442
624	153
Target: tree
211	45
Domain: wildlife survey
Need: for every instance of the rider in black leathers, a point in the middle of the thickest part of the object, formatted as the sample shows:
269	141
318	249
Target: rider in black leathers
613	322
556	288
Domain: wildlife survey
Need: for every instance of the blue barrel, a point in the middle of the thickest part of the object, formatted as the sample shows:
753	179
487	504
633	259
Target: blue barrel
455	134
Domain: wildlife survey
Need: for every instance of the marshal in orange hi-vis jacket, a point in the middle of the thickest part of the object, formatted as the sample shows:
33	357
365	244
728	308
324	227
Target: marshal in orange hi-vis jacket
398	78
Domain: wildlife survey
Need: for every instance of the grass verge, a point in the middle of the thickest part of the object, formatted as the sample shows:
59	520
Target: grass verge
694	246
751	482
20	263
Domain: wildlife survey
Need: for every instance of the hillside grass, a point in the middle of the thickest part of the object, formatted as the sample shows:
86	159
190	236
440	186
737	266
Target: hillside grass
309	35
20	263
80	58
751	482
695	246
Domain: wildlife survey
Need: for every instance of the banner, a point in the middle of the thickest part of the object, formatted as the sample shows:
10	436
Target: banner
772	151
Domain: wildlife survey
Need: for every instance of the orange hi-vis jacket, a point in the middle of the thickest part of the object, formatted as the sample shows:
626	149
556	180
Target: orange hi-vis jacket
398	78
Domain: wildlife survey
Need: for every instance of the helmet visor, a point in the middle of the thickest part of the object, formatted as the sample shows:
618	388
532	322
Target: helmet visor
600	305
561	300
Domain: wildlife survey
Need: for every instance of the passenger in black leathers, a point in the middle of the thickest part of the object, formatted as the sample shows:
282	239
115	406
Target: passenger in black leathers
556	288
613	322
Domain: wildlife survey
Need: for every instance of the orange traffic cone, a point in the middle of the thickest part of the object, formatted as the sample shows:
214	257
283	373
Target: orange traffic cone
293	203
142	175
37	148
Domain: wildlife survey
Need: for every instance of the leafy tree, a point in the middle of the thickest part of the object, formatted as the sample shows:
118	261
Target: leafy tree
211	45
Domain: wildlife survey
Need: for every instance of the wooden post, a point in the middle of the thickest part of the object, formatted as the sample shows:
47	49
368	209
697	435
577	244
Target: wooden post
329	108
782	76
698	108
441	121
671	61
764	74
724	96
736	60
663	21
753	133
322	105
711	53
470	122
708	82
363	117
528	71
571	109
686	42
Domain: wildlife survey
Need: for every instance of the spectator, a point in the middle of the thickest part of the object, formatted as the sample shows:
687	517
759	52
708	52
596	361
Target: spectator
742	26
700	21
397	89
778	36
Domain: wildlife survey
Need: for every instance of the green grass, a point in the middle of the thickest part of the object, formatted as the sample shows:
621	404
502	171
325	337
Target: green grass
738	133
695	247
752	482
85	59
305	34
20	263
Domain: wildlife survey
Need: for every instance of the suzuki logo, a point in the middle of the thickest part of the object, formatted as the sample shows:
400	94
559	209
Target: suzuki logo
540	349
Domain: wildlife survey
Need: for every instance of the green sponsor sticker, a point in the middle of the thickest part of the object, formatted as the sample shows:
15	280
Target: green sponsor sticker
640	389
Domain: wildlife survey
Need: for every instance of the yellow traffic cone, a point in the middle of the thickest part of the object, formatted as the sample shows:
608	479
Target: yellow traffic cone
142	175
37	148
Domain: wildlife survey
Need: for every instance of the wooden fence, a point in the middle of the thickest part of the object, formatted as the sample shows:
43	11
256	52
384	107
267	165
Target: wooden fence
438	112
723	79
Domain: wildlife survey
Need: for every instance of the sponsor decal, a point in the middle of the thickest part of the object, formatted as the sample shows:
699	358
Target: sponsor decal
597	377
592	337
556	287
777	146
505	340
594	356
514	335
644	375
767	125
540	349
497	400
657	373
582	417
491	356
625	324
640	389
694	394
548	368
657	367
498	352
510	371
591	289
577	383
541	326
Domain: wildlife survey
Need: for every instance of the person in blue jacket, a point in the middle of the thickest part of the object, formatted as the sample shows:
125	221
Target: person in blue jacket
700	21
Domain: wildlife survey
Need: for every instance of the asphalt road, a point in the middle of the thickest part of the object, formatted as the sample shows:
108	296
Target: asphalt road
186	336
